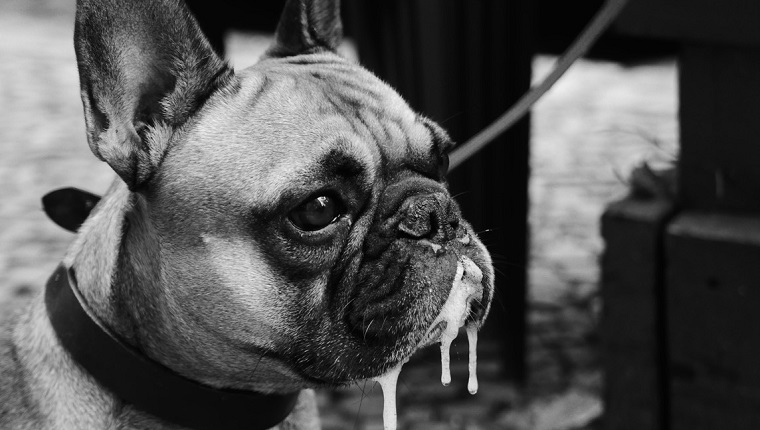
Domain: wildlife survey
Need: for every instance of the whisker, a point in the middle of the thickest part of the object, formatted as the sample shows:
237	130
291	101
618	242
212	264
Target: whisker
450	117
361	388
507	263
461	193
499	271
258	363
342	311
358	411
367	329
497	300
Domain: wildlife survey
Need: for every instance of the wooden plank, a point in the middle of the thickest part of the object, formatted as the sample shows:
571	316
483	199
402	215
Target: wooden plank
713	300
632	326
714	404
735	22
495	192
720	102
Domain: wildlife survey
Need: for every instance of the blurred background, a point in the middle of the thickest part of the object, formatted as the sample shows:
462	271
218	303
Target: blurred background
537	195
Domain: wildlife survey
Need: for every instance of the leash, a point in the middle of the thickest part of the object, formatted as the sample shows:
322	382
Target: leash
146	384
603	18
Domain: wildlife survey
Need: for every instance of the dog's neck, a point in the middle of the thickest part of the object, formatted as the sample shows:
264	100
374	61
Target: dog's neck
116	260
104	272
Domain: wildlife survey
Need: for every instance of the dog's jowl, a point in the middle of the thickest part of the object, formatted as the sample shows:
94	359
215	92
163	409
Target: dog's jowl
271	230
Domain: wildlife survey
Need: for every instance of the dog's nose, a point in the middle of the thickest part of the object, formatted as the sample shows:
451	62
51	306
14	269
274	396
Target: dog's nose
429	216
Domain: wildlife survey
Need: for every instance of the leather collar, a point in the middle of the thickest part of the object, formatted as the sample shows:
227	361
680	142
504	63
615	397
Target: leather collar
146	384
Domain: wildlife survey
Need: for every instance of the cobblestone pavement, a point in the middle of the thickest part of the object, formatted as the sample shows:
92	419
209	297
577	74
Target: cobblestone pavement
588	132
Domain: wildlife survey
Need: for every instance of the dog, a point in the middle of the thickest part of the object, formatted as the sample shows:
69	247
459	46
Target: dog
270	231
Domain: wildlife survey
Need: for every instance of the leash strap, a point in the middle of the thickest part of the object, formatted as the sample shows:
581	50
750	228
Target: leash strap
580	46
147	385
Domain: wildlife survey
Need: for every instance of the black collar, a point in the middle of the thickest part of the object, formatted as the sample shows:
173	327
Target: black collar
147	385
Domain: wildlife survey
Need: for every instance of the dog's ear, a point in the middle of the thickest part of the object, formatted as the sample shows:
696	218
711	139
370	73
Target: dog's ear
144	69
307	26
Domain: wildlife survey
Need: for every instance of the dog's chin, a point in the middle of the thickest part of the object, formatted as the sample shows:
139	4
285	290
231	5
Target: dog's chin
340	358
370	363
363	360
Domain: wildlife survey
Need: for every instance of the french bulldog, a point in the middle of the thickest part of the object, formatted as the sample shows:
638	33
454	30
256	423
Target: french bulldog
272	230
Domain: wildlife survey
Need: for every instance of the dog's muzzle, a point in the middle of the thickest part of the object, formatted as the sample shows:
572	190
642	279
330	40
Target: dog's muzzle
410	261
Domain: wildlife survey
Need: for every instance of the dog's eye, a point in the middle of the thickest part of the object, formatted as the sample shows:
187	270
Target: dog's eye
316	214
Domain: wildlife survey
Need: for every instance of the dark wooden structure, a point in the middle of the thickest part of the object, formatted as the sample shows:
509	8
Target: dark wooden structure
632	293
681	277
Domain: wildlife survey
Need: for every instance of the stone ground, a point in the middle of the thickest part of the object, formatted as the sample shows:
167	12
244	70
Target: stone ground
597	123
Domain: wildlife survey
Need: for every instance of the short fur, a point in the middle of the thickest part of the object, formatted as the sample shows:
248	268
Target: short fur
192	256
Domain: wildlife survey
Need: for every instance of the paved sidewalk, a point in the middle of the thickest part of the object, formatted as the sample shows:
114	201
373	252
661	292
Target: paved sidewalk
587	133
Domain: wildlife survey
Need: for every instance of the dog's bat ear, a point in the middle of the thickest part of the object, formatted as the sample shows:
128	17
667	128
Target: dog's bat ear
307	26
69	207
144	69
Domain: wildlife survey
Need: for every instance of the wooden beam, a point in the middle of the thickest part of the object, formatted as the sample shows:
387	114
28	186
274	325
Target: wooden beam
713	299
733	22
632	327
720	130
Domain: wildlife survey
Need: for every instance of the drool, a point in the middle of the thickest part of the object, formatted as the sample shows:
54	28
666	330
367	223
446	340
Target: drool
466	288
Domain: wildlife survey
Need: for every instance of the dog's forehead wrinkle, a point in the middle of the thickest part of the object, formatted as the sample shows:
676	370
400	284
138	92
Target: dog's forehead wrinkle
366	104
405	147
340	157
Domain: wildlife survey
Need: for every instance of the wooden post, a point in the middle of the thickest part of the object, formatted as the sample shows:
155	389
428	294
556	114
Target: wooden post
720	130
711	291
713	297
633	346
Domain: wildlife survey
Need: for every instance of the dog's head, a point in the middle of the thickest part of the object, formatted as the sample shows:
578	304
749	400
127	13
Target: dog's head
299	208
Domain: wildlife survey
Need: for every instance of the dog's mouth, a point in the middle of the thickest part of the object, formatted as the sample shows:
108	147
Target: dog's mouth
456	313
463	306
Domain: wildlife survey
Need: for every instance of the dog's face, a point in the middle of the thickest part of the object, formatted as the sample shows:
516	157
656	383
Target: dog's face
301	206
